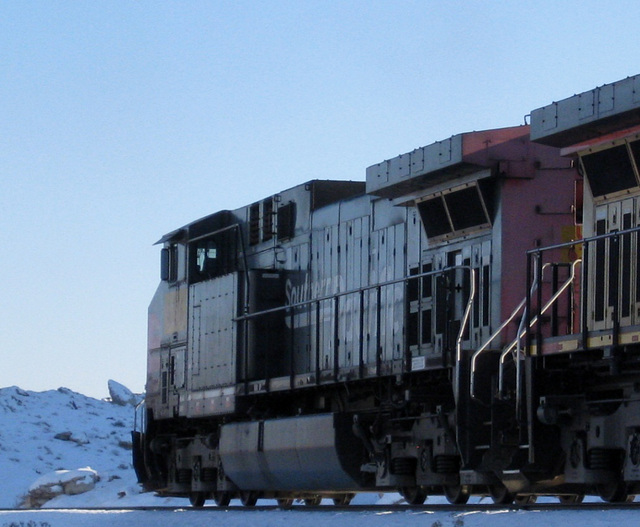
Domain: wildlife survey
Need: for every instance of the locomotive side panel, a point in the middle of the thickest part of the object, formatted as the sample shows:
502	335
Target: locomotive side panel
533	216
611	204
167	337
354	268
212	342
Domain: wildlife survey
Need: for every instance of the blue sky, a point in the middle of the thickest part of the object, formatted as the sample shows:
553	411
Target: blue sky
124	120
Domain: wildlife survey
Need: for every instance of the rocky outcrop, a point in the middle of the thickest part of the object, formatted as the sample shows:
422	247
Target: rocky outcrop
121	395
54	484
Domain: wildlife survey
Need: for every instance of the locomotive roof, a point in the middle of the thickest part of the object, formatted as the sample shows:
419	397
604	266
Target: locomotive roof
588	115
448	159
322	193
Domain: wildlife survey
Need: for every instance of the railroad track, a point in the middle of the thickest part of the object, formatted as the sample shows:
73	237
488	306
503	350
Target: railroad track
301	508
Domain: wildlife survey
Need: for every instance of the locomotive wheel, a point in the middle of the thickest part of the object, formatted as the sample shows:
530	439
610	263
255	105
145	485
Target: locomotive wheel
343	500
313	502
197	499
413	495
570	499
222	498
614	492
285	503
248	498
500	494
457	494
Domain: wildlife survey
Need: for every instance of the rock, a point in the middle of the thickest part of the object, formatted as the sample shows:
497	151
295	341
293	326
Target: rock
127	445
77	437
79	486
121	395
54	484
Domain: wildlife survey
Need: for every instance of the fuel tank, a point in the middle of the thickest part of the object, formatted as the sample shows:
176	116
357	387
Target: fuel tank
298	453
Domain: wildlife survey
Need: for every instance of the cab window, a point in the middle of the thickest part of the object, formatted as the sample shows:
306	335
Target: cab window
169	263
213	256
207	257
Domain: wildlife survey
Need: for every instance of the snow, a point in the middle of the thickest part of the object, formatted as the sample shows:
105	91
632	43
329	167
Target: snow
45	432
328	518
55	436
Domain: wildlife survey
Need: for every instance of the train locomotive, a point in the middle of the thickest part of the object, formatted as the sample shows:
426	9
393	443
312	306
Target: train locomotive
465	322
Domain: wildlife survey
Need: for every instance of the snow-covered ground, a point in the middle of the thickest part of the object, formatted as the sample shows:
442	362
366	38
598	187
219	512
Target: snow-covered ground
43	432
329	518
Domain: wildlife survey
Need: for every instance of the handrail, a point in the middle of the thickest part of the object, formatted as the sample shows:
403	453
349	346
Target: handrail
463	327
325	298
584	241
516	343
535	281
585	316
483	348
139	409
522	331
244	318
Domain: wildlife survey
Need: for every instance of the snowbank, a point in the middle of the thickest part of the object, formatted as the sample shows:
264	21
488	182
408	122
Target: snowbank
42	433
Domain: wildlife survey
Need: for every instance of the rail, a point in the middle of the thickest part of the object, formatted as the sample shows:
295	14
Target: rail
477	504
